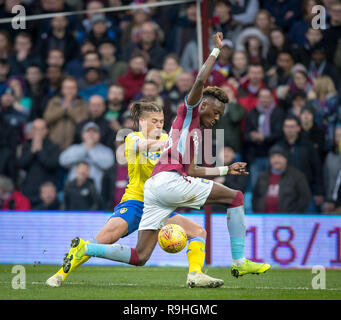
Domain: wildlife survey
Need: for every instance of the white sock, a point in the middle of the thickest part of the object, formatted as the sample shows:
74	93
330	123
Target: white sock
238	262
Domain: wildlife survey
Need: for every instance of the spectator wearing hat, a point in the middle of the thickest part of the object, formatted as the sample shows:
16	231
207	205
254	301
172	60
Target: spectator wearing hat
312	131
48	199
63	112
304	157
101	29
39	160
98	156
113	67
10	198
93	84
80	193
332	177
263	128
148	45
281	188
300	81
132	81
97	110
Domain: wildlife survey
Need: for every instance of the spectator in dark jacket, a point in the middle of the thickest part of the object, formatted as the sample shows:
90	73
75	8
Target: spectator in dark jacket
48	197
262	130
96	114
59	36
80	193
8	146
11	199
23	55
148	45
14	116
303	156
312	131
281	188
39	159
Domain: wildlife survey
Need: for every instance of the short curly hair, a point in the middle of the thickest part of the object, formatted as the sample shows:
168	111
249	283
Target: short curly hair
216	92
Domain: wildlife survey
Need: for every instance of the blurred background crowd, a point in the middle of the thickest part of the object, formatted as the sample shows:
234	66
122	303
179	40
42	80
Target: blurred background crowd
66	84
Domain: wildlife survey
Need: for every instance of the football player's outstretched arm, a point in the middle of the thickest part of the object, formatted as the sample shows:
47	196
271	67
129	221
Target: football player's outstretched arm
196	92
237	168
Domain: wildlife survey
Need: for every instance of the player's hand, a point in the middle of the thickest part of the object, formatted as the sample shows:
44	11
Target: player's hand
238	168
217	38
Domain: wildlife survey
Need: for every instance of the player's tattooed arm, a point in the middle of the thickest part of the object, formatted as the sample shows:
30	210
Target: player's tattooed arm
196	92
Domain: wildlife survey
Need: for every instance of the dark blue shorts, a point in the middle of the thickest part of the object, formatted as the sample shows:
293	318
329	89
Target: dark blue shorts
131	211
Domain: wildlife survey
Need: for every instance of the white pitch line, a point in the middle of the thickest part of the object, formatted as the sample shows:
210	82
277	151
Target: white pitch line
112	284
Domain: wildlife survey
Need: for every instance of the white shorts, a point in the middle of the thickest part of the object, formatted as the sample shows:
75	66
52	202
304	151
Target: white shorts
166	191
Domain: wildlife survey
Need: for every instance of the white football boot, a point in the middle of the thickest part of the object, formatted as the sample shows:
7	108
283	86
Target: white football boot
55	281
202	280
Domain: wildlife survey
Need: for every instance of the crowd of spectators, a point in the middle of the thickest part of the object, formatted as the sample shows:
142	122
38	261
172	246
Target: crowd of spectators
66	84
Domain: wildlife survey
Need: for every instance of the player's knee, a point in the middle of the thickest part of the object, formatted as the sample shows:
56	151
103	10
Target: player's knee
199	232
237	201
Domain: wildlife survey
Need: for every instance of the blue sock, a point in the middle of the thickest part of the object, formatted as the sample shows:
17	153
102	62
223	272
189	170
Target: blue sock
236	227
115	252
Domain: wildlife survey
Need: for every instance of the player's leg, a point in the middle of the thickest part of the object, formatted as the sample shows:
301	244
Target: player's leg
234	200
196	241
115	228
112	231
170	189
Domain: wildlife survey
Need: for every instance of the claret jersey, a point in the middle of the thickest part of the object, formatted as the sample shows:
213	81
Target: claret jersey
182	146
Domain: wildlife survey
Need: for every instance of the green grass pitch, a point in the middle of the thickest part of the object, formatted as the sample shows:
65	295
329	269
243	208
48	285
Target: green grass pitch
166	283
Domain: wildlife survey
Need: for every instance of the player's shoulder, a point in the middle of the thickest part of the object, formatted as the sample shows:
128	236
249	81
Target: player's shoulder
133	136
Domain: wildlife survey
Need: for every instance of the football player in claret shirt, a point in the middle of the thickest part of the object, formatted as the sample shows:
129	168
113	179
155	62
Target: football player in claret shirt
177	181
142	151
